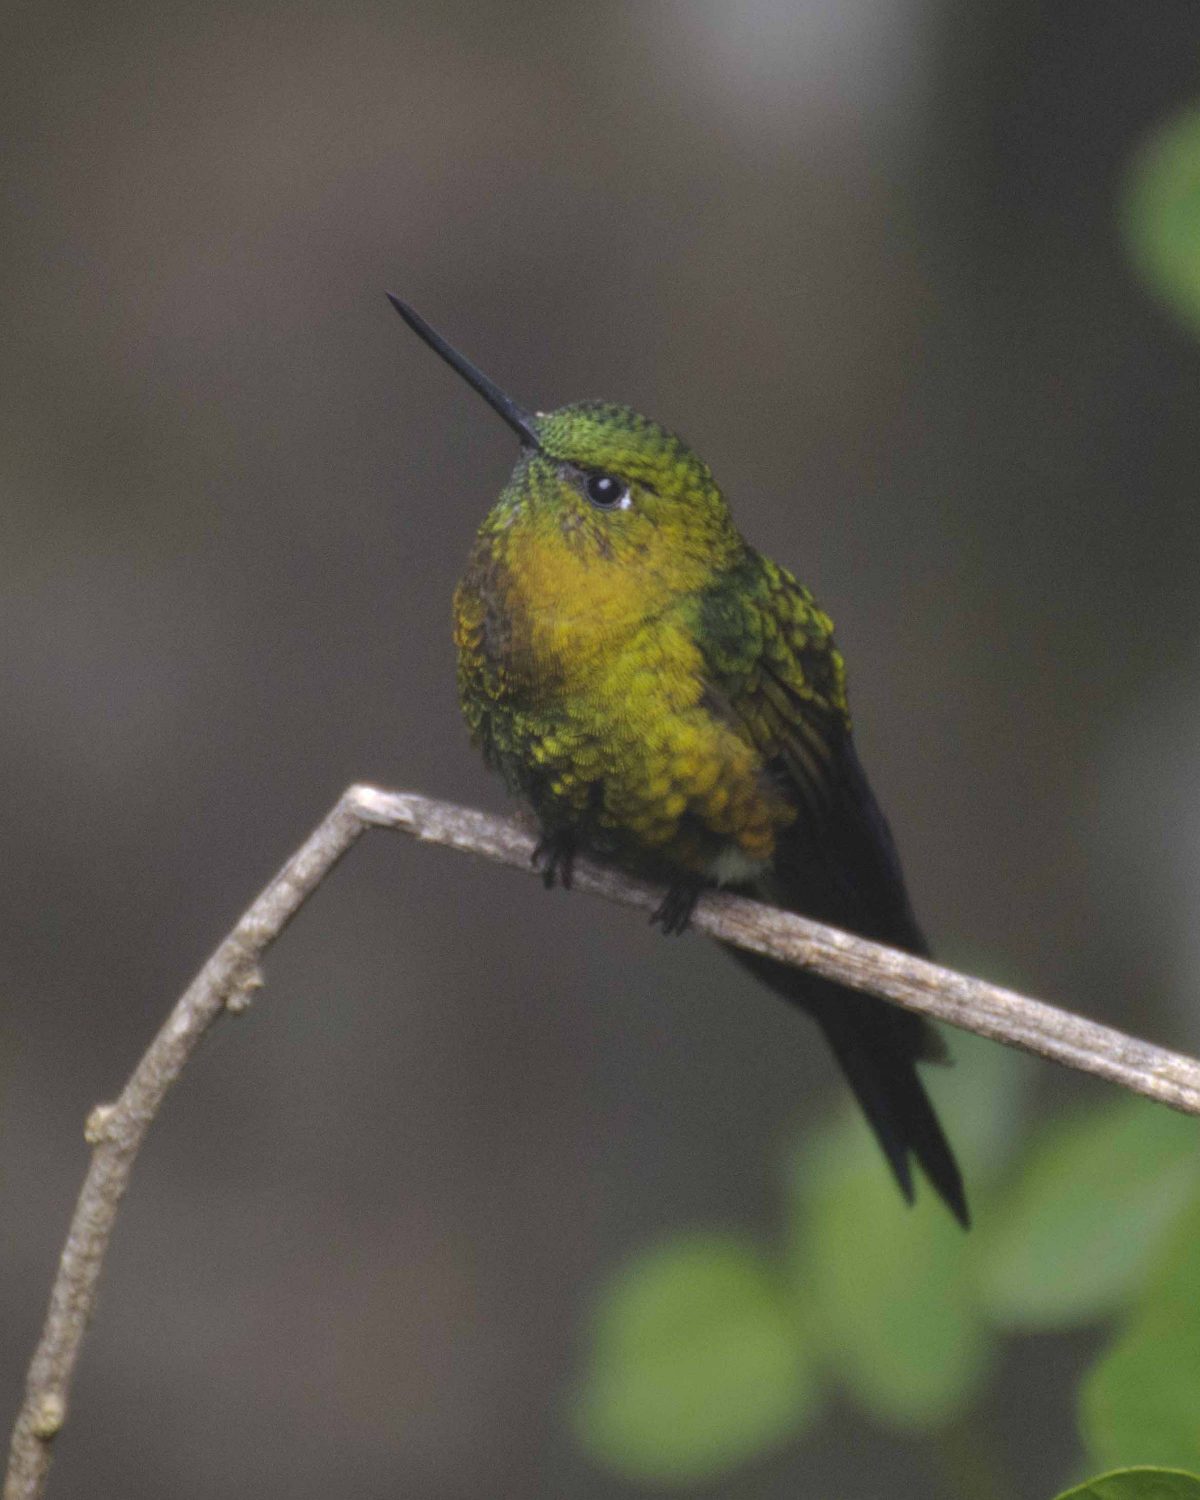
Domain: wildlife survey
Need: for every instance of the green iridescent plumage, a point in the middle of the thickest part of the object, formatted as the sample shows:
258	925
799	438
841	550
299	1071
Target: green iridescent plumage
629	670
667	698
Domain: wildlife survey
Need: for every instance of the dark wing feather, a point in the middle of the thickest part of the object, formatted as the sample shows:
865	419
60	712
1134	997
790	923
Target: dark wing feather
837	862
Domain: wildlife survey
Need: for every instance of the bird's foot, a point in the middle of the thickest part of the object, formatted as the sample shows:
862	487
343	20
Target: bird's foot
554	857
674	911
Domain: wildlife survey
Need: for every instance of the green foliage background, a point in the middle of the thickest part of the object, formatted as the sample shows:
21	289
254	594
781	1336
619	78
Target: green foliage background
1138	1484
711	1348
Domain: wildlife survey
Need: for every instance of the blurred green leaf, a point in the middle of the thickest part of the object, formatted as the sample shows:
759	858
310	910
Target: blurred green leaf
890	1286
1138	1484
1140	1403
1161	215
1083	1219
697	1363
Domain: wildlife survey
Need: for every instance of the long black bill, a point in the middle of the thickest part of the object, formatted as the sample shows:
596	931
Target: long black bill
520	421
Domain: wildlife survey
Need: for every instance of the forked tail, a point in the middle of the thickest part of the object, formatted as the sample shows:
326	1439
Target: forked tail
878	1047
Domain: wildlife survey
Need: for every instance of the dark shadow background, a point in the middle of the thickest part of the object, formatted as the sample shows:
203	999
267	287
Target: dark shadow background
866	257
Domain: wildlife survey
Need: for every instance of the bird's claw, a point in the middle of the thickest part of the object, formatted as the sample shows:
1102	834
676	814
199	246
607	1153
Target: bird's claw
674	911
554	857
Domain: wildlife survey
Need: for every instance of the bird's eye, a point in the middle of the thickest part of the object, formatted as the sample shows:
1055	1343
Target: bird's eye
606	492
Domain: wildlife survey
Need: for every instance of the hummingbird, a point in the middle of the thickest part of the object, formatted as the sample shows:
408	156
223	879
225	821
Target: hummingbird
669	701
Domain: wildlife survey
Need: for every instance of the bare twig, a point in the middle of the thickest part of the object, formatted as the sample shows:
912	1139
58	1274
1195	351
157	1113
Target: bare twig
228	979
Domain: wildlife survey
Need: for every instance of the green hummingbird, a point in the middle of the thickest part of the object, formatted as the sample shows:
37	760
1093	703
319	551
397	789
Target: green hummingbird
670	701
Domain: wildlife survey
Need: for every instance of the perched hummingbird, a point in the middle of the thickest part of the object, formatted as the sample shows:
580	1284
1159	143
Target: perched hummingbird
670	701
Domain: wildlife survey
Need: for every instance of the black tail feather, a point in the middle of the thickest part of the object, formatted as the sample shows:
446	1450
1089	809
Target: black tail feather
878	1047
896	1105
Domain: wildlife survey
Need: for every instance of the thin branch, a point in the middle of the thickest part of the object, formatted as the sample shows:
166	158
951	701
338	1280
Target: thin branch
229	978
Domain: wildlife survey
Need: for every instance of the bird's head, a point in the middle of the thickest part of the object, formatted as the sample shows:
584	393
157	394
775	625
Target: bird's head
612	482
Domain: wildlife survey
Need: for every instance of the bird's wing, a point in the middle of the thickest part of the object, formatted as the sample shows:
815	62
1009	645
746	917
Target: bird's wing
774	670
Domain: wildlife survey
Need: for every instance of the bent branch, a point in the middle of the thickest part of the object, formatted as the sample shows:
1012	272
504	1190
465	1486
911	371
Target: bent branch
227	982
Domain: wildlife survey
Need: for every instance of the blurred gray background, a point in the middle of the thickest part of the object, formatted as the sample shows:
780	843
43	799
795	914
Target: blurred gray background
866	257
